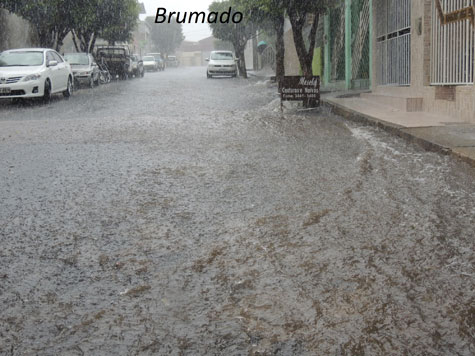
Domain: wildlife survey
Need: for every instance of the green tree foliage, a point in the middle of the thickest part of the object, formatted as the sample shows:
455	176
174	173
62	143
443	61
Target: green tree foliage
237	34
269	15
120	20
3	29
112	20
166	37
50	18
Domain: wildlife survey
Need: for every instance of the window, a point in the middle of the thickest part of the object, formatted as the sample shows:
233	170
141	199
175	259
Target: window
394	42
452	50
57	57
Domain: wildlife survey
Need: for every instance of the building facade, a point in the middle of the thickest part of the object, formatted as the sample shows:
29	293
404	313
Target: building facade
416	54
424	55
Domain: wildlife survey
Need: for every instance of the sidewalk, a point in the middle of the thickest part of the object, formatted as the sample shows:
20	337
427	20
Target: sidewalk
433	132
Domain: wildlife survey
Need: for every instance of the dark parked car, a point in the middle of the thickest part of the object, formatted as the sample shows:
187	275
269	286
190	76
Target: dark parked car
117	59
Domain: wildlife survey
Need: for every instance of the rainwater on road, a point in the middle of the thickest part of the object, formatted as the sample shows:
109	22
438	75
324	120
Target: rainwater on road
179	215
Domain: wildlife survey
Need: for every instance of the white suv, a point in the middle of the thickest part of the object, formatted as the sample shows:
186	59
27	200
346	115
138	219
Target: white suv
34	72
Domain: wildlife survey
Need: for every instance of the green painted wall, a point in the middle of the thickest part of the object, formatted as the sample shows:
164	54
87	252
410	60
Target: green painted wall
317	62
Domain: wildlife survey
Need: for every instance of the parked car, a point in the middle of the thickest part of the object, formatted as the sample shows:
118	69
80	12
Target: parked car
149	63
172	61
221	63
85	69
158	59
117	59
137	66
33	73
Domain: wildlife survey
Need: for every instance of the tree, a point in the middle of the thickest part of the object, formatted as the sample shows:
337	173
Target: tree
236	33
166	37
299	13
50	18
88	22
3	29
120	20
269	13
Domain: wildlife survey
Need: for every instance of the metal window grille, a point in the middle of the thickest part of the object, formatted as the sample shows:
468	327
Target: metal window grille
394	42
452	52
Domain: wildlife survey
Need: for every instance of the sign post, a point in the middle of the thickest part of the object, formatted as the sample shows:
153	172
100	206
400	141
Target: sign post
300	88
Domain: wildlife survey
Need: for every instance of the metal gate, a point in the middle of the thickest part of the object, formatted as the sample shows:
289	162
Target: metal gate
360	39
393	30
452	52
337	42
268	58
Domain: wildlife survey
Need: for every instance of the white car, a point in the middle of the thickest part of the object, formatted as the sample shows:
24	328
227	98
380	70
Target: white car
149	63
221	63
33	73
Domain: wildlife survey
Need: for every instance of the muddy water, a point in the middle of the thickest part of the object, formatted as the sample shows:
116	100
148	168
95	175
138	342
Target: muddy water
134	222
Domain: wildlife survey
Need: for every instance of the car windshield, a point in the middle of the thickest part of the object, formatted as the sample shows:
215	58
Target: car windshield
220	56
78	59
21	59
148	58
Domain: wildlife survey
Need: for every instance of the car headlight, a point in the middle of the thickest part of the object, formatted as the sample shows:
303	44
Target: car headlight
32	77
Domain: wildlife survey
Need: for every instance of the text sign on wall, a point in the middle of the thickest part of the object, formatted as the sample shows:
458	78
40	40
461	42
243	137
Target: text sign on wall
294	88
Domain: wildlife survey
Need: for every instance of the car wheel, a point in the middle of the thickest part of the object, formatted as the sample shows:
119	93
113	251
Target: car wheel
69	90
143	73
91	82
47	92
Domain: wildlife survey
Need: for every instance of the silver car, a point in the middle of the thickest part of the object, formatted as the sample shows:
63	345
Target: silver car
85	69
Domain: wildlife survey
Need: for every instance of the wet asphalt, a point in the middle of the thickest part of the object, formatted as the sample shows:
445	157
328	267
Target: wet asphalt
176	215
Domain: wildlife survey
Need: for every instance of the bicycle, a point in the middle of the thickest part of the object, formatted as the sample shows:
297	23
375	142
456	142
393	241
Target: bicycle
104	74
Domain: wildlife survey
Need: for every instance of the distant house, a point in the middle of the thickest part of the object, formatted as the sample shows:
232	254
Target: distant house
141	42
195	53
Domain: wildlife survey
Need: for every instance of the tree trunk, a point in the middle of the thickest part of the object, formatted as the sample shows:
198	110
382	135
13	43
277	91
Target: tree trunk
279	49
75	41
305	56
93	43
239	49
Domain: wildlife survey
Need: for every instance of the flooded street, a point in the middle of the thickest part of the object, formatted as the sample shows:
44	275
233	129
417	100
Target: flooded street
179	215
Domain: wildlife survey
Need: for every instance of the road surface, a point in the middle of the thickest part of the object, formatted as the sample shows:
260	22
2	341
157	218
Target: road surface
176	215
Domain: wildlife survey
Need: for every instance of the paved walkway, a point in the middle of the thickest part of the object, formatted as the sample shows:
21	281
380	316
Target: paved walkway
435	132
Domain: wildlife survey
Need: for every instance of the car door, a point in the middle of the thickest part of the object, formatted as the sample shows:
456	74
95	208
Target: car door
63	71
53	72
95	69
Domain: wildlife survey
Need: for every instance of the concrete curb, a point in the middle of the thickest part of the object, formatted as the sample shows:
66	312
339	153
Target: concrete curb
394	129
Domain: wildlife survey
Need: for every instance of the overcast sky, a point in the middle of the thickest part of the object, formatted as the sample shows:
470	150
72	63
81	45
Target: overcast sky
193	32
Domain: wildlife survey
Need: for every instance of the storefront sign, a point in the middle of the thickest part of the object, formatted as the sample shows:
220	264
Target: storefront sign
294	88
